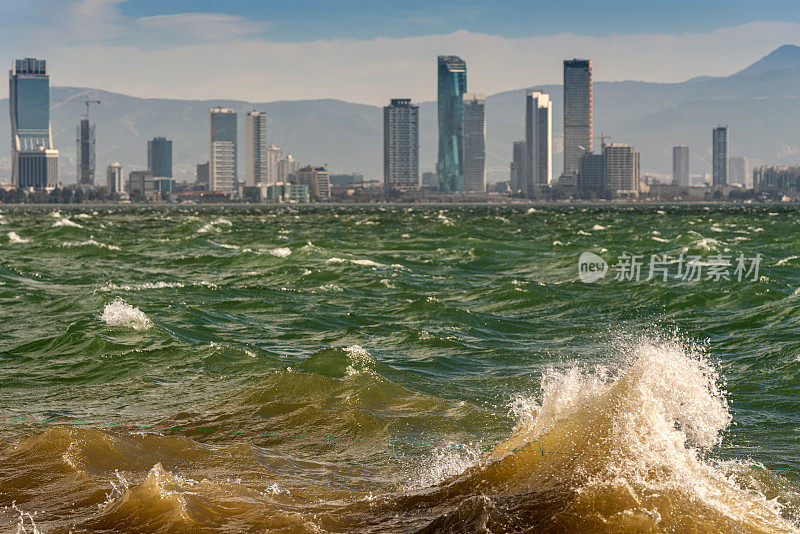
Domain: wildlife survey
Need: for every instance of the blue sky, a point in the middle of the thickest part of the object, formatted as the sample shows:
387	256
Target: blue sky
369	51
361	19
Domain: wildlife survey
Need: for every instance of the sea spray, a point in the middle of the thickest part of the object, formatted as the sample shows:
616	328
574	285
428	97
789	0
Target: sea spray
119	313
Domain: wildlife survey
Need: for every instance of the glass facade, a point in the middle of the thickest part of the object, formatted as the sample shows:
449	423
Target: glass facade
223	161
577	112
29	106
159	157
452	84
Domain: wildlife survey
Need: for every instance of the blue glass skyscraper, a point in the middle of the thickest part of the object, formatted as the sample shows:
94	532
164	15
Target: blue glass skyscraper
34	163
452	76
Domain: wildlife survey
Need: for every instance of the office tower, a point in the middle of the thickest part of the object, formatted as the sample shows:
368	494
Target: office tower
274	155
141	186
85	139
577	112
287	167
452	84
474	143
592	173
400	145
719	145
538	142
202	175
256	148
114	179
34	162
680	165
737	171
223	153
622	169
159	157
518	172
318	181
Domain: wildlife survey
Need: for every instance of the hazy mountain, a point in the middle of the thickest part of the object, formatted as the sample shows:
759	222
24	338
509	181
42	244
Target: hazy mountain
760	104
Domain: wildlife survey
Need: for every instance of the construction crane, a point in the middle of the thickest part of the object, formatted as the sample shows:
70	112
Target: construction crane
87	102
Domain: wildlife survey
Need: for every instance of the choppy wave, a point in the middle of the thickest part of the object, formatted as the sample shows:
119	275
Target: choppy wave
120	313
91	242
14	238
66	221
614	450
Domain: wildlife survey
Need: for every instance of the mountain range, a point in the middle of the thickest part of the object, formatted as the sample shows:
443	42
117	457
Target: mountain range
760	104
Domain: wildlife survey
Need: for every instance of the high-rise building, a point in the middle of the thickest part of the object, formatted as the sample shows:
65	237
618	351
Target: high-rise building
592	173
287	167
622	169
474	143
400	145
256	148
577	112
114	179
452	84
518	173
202	175
318	181
538	142
429	179
159	157
274	155
719	145
34	162
223	152
680	165
737	171
86	139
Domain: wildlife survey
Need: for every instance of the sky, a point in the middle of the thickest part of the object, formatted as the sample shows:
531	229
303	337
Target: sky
371	51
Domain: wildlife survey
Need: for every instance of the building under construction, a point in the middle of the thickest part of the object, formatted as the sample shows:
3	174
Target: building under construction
85	139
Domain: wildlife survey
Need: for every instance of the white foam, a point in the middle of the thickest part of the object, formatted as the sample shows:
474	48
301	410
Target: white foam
784	261
598	227
14	238
214	225
119	313
281	252
443	463
142	286
89	243
65	221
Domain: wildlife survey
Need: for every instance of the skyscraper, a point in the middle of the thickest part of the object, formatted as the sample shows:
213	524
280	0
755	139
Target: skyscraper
34	162
518	174
680	165
577	112
223	153
474	143
274	156
86	139
256	148
452	84
159	157
737	171
114	179
538	142
622	169
400	145
719	145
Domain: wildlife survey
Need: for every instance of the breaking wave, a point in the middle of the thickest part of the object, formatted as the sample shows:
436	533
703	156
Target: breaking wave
119	313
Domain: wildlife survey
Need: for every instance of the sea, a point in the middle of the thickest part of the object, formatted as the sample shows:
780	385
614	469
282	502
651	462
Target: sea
398	368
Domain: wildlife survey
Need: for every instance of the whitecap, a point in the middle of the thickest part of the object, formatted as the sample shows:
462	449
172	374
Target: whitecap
14	238
281	252
119	313
89	243
784	261
65	221
598	227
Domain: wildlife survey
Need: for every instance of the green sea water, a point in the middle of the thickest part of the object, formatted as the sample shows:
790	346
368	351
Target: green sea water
397	369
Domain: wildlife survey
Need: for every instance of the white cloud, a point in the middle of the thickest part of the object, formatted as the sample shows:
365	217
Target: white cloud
201	55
